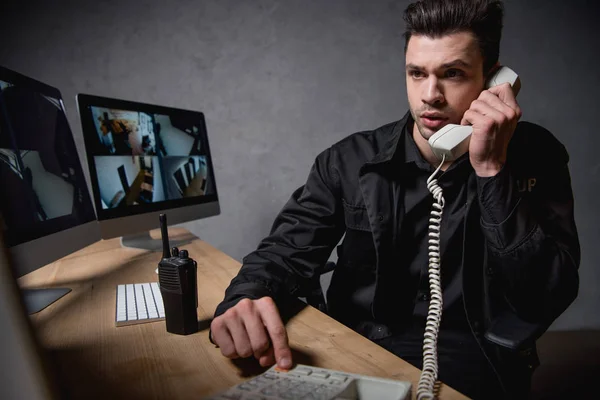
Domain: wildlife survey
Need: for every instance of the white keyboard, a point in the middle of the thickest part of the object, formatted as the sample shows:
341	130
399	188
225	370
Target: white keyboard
304	382
139	303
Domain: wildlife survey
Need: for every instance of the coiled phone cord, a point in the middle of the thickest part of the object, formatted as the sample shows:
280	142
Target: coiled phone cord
429	374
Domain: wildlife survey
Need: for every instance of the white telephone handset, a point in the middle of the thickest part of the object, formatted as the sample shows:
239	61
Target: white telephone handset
447	144
453	140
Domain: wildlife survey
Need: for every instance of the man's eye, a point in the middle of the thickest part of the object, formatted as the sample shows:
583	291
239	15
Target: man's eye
416	74
454	73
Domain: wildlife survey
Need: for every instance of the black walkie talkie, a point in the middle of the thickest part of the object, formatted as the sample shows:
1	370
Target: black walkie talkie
178	286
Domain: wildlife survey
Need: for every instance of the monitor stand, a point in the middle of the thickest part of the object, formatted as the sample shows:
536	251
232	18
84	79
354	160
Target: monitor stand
37	299
146	242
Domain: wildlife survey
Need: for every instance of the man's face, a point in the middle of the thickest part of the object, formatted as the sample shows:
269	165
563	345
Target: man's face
443	76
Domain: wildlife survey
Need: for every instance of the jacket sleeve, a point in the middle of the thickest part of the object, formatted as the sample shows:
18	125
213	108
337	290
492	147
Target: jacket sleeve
532	239
301	240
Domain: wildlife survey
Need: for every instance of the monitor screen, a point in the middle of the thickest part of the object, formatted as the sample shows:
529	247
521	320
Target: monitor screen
145	158
44	189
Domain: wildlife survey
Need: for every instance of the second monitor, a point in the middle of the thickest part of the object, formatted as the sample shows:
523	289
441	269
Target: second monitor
145	159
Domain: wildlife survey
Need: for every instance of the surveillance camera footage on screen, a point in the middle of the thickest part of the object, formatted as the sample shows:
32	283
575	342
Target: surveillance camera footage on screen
39	167
139	157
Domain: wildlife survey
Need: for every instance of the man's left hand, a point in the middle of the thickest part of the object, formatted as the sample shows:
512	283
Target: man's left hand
494	116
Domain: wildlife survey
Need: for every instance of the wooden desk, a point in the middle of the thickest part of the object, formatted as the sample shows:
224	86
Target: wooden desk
94	359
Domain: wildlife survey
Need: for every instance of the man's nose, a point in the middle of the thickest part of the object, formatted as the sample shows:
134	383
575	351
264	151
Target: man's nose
432	93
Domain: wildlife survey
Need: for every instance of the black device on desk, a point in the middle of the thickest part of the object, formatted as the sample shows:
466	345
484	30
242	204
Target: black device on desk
177	274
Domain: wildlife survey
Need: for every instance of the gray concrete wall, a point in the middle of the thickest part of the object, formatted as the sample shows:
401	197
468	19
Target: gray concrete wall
281	80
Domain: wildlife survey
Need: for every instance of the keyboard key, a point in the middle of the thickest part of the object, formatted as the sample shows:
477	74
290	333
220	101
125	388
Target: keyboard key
339	377
158	298
131	306
321	389
302	371
152	312
320	374
261	381
121	314
269	391
140	302
247	386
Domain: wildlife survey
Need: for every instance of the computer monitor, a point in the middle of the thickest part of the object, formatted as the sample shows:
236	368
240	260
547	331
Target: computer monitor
145	160
23	373
45	206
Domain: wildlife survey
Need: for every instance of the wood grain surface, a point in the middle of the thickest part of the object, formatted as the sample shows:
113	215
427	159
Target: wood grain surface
92	358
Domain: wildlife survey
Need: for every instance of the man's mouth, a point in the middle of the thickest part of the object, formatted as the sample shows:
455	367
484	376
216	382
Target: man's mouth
433	121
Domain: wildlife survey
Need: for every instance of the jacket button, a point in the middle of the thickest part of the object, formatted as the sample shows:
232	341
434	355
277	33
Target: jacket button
489	271
380	217
423	297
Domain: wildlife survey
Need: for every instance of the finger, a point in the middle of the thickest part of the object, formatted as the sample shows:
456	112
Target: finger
474	118
240	338
498	104
506	94
259	338
487	110
267	358
223	339
277	332
253	326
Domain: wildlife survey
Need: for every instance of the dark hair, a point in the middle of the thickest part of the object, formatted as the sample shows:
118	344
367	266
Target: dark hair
436	18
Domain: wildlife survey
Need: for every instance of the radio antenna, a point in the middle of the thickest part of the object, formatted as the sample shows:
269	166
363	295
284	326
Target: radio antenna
165	235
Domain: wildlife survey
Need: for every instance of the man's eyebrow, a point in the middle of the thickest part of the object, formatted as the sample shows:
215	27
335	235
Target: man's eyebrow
413	66
455	63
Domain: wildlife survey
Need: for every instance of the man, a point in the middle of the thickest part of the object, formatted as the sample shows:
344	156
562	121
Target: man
509	245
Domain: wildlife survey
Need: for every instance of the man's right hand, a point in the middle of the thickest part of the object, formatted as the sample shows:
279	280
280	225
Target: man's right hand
253	327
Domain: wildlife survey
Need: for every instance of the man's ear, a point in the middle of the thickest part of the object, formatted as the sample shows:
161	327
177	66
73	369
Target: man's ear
492	70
